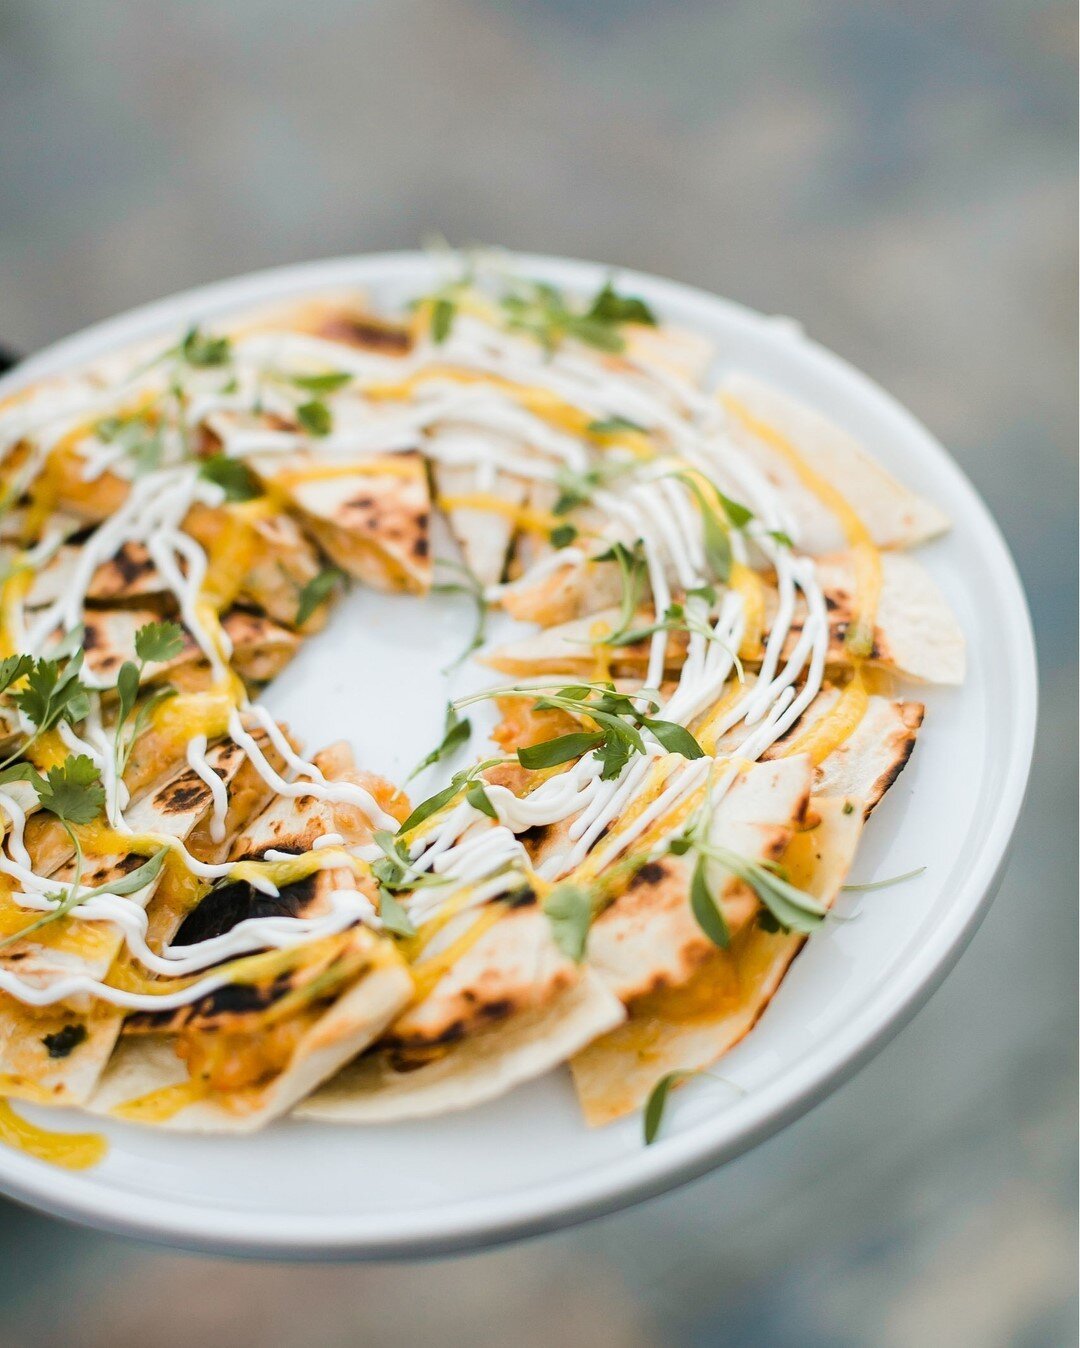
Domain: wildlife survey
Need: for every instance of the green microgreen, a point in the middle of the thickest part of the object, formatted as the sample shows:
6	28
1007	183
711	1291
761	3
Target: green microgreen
469	585
459	783
315	417
203	351
569	909
233	476
456	732
155	643
322	383
884	884
316	591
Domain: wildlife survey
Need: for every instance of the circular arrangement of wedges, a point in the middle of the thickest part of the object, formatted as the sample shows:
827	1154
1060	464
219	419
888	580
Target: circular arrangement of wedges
202	928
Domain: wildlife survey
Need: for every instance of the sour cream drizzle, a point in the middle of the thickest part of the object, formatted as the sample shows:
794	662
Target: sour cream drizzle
479	424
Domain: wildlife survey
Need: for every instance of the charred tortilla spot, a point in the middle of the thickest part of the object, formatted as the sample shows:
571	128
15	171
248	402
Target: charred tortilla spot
497	1010
60	1044
649	874
132	563
535	835
522	898
180	796
223	908
369	335
420	547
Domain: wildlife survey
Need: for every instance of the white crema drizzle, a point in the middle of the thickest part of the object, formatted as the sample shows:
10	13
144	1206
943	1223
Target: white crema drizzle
473	857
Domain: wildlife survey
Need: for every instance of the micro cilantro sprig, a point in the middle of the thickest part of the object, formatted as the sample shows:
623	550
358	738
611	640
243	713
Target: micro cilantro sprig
141	437
467	583
394	875
718	516
456	732
618	721
546	314
689	617
784	906
467	784
72	792
317	591
633	582
46	691
155	643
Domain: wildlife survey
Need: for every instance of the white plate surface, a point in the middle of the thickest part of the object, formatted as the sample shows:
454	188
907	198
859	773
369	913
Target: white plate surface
527	1163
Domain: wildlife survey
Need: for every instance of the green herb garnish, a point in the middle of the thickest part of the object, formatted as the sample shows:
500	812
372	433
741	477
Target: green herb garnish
322	383
315	417
569	909
316	591
201	350
456	732
233	476
155	643
472	588
657	1101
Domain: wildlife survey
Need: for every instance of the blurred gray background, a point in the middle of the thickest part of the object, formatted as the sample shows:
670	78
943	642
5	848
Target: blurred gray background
901	176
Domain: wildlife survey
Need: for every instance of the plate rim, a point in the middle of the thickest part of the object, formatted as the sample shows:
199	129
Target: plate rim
473	1223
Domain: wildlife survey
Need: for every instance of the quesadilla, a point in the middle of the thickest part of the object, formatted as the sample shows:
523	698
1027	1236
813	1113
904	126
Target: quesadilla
202	929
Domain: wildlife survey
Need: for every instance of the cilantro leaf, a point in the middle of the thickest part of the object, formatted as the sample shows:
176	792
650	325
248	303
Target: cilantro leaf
657	1101
315	417
443	313
73	790
233	476
456	732
706	910
562	749
316	591
569	909
322	383
611	307
201	350
478	799
394	917
52	694
675	738
13	668
159	642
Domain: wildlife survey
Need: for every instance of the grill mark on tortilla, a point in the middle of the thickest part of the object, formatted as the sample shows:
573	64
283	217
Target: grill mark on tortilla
368	335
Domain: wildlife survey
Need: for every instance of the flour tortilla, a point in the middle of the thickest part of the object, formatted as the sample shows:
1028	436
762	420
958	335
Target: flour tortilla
648	937
375	523
915	632
261	647
143	1065
514	966
895	516
680	353
291	825
375	1089
175	808
484	536
687	1028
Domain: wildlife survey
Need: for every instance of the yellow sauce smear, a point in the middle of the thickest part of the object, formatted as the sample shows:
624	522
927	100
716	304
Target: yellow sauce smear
747	584
12	595
429	972
164	1103
866	557
837	725
72	1151
522	517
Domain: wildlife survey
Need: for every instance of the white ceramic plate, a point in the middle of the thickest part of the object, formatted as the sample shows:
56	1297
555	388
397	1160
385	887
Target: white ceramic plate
527	1163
